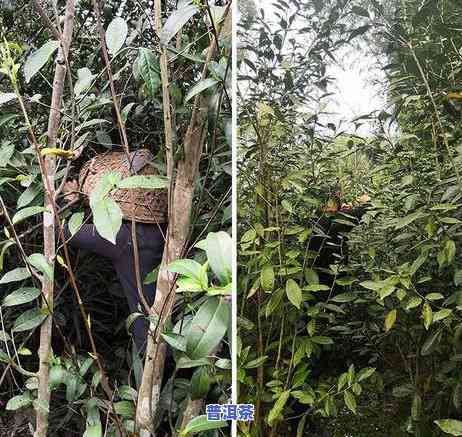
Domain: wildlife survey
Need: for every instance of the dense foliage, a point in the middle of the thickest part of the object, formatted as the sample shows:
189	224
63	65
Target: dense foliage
349	264
28	50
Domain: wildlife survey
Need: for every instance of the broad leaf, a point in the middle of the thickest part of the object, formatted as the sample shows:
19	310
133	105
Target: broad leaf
147	66
267	278
279	405
20	296
116	35
219	249
105	185
200	424
75	222
350	400
107	218
199	87
27	212
84	81
29	320
17	402
6	97
207	328
450	426
390	320
18	274
176	21
294	293
39	261
38	59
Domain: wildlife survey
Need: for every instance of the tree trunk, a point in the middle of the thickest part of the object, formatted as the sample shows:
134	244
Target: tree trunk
180	206
49	223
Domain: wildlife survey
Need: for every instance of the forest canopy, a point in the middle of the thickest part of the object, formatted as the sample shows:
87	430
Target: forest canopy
80	80
350	238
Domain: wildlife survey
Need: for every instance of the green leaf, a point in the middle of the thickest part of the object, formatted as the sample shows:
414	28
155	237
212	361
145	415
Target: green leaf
200	383
427	315
84	81
359	31
187	267
390	320
200	424
256	363
107	218
18	274
189	284
287	206
294	293
125	408
344	298
186	363
29	320
413	302
450	251
224	363
200	87
311	276
322	340
176	21
149	70
6	152
21	296
176	341
6	97
441	314
207	328
350	400
38	59
249	236
28	195
104	186
57	376
431	343
128	393
17	402
3	251
405	221
219	249
39	261
434	296
450	426
279	405
148	182
93	421
27	212
342	381
365	373
75	222
116	35
362	12
267	278
372	285
126	110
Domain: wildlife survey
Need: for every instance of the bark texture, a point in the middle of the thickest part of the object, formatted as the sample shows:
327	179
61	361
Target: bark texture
181	198
49	224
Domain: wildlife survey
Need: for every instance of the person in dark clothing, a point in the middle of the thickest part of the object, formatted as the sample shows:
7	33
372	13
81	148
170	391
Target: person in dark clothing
150	241
150	247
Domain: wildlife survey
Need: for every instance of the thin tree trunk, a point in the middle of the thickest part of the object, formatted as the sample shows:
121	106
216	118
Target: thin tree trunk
49	223
178	231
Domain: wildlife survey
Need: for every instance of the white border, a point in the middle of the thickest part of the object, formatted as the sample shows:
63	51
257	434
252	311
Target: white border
234	211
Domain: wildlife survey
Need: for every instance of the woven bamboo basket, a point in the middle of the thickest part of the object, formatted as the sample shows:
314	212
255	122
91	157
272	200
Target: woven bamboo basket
142	205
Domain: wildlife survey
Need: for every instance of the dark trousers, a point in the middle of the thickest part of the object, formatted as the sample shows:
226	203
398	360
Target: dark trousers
150	248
